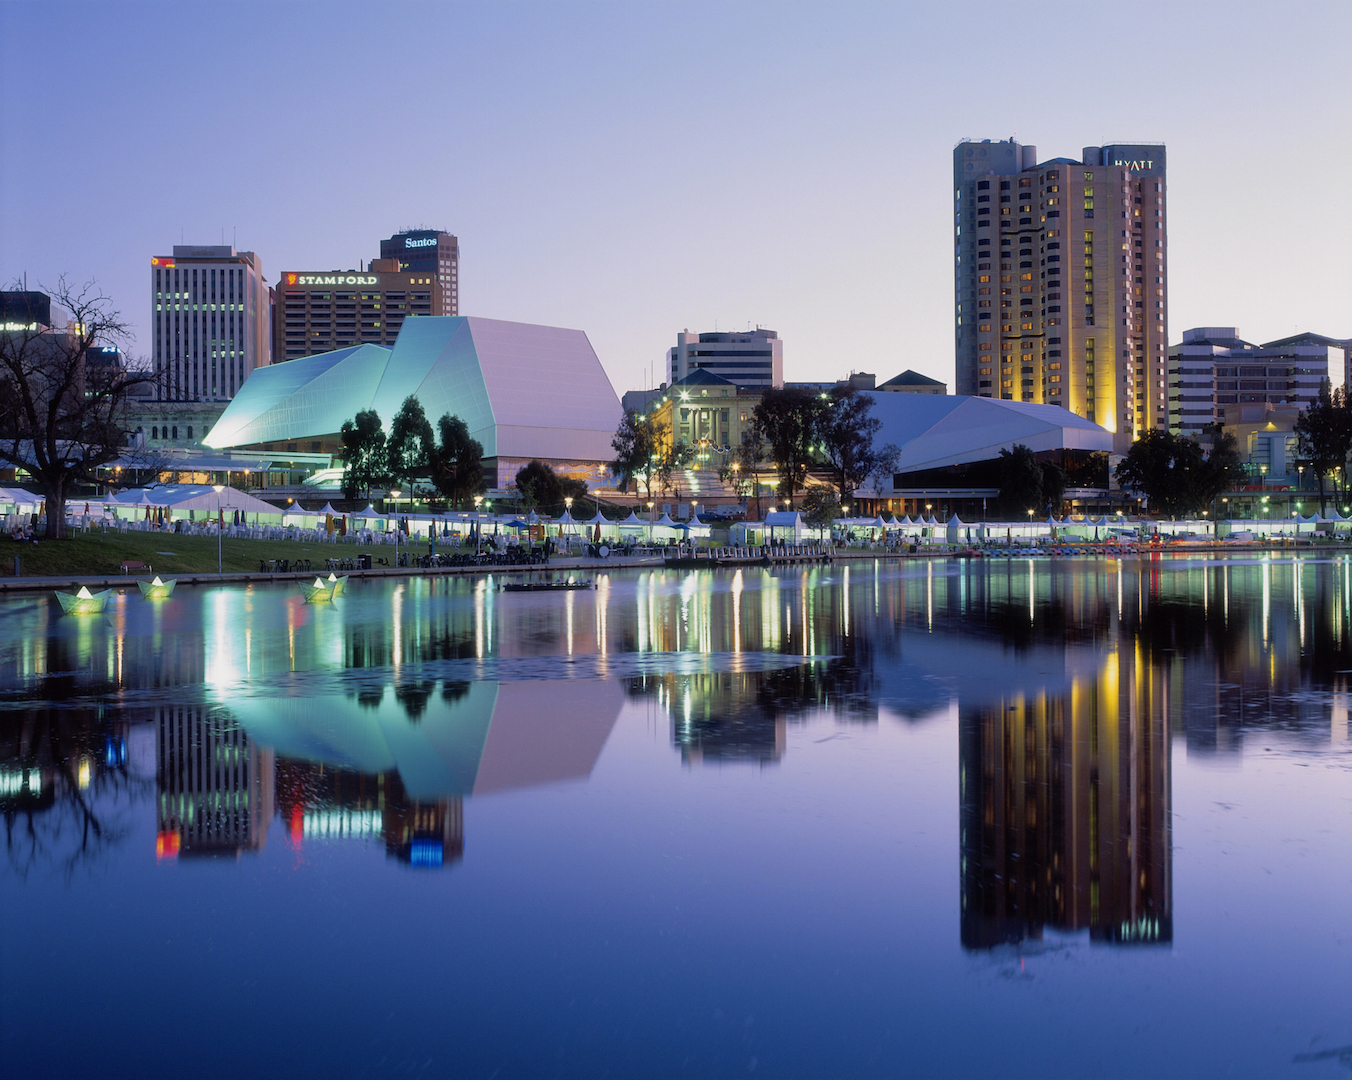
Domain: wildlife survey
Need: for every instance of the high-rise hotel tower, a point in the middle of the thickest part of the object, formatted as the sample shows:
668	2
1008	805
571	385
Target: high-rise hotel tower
1061	281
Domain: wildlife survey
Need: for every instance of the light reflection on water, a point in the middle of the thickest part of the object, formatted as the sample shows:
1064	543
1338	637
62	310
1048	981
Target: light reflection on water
1042	722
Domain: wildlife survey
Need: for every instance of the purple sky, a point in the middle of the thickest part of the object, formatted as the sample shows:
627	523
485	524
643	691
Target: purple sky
636	169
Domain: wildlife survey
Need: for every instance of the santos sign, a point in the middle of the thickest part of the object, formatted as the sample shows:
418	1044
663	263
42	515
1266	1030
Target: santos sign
409	242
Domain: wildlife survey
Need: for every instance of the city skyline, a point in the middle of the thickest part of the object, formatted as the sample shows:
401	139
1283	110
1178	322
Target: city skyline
582	193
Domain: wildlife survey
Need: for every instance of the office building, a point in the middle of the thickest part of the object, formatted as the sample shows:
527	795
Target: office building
210	321
1220	378
1061	282
429	252
30	311
319	311
754	358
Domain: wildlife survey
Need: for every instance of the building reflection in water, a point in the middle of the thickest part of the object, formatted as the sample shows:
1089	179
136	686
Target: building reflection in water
214	785
396	762
1065	803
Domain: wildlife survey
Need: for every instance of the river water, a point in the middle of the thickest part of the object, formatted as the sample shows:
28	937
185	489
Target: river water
943	818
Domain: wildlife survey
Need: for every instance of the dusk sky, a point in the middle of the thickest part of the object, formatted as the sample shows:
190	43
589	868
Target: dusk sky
635	169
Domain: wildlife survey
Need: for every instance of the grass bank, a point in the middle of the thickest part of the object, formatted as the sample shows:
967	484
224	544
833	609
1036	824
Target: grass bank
96	554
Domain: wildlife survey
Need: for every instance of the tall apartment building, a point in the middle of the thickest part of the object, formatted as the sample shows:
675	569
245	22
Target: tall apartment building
210	321
429	251
1221	378
1061	282
754	358
320	311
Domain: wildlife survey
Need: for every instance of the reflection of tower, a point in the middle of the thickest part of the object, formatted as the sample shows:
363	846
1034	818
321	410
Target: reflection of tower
317	802
215	785
1065	812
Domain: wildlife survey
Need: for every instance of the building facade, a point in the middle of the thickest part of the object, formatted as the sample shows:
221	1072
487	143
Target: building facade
754	358
210	321
1220	378
1061	282
319	311
429	252
912	382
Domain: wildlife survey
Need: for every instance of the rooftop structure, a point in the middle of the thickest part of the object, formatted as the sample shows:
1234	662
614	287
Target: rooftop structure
429	252
912	382
319	311
753	358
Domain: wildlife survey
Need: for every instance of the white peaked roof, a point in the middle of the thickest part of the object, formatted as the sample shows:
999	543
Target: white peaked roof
665	519
523	390
633	519
193	497
955	521
935	430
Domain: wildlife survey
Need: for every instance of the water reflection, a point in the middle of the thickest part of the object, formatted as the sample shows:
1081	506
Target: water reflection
1065	811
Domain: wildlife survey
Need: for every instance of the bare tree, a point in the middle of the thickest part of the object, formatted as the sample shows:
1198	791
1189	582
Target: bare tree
63	407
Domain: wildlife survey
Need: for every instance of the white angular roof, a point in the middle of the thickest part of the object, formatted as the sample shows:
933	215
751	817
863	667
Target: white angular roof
523	390
934	431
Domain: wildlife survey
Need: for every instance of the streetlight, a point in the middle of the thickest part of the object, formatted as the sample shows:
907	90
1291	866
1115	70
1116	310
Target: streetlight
394	494
568	512
478	525
650	521
217	488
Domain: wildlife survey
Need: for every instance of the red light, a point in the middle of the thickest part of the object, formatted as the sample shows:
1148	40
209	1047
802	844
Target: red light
290	279
297	826
158	260
167	845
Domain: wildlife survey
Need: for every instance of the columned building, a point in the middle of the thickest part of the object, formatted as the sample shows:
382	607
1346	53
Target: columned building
1060	279
429	252
210	321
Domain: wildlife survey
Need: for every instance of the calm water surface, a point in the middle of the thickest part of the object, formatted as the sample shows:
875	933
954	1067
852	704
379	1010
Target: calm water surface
1001	818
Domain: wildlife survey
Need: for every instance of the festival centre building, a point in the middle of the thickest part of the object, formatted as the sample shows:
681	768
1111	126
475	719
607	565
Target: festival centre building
949	453
524	392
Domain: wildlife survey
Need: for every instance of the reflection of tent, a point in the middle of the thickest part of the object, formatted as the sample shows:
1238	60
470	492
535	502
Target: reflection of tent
494	737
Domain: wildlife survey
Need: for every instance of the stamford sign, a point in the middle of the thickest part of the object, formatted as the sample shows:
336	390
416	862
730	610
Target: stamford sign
332	279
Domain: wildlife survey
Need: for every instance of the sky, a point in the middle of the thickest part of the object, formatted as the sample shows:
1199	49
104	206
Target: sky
638	169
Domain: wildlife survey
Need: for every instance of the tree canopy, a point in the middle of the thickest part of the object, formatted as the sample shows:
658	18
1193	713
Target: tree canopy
541	486
1324	434
410	445
363	453
789	419
1175	474
457	462
63	406
638	450
846	429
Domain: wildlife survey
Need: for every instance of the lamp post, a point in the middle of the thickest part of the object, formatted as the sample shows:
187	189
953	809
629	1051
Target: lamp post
568	512
217	488
650	521
478	525
394	494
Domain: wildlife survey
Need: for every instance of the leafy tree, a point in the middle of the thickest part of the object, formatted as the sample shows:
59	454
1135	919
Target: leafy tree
788	419
541	486
1020	482
1324	431
821	506
457	462
1175	475
638	445
410	446
846	431
63	408
363	453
